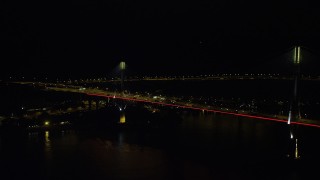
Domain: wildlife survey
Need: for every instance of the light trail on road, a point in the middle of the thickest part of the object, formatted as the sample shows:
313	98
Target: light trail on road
204	109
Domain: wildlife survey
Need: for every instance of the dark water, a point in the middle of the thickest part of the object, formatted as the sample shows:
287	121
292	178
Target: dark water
200	146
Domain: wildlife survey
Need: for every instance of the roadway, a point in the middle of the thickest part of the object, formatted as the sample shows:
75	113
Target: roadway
167	102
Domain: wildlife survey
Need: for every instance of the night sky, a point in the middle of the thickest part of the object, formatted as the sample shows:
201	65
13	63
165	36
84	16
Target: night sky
89	38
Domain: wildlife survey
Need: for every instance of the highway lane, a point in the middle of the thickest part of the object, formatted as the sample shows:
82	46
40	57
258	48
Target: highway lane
177	104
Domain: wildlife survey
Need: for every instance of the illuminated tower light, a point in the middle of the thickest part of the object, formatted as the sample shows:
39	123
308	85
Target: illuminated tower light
296	55
122	65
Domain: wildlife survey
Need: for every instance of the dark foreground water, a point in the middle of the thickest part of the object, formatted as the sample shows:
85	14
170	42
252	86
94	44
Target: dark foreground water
197	146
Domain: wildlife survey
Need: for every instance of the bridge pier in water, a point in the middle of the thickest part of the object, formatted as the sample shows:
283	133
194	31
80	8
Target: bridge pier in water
122	117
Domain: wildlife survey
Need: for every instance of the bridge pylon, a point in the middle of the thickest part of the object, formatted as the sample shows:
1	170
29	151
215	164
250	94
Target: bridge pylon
294	111
122	71
121	105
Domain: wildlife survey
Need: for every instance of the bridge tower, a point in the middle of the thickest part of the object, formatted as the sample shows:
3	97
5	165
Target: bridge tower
121	104
122	71
294	112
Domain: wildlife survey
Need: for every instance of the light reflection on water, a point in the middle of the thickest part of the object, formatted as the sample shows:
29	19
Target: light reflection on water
47	144
296	150
203	146
122	118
